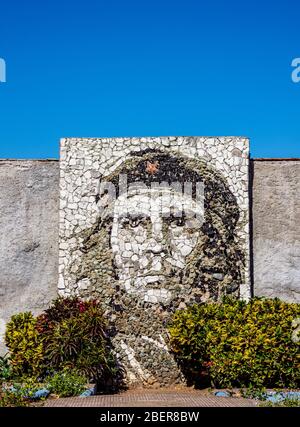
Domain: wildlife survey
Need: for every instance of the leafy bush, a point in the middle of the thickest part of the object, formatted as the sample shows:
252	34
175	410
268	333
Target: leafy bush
12	398
25	345
70	334
67	383
19	393
238	344
5	368
74	336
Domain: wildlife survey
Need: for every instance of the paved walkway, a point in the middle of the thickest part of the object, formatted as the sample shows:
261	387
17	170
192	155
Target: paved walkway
159	398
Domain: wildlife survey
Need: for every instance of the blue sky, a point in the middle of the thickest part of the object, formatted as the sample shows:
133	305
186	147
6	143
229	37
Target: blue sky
131	68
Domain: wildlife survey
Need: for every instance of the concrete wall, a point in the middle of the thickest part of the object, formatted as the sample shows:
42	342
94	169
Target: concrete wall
276	228
29	197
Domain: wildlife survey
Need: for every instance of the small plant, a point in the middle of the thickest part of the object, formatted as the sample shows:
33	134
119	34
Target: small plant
254	393
12	398
25	345
67	383
27	387
288	402
5	368
19	392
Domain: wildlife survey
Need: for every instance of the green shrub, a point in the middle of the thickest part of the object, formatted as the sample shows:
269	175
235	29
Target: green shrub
70	334
12	398
74	336
24	344
5	368
19	393
67	383
290	403
238	344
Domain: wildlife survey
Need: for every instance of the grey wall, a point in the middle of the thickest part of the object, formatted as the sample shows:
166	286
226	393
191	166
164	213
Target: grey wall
29	236
29	197
276	228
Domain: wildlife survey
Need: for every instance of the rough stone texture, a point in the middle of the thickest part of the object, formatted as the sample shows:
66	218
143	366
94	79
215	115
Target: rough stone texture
150	225
276	228
29	200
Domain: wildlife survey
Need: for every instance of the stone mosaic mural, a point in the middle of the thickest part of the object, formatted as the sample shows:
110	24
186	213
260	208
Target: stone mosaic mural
148	226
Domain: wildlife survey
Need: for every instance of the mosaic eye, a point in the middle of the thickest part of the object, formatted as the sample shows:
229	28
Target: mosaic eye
177	222
133	222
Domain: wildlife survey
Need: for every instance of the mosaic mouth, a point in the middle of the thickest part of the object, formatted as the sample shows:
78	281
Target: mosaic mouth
155	280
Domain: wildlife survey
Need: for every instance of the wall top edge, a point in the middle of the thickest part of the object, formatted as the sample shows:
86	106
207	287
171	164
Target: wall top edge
252	159
153	137
275	159
29	160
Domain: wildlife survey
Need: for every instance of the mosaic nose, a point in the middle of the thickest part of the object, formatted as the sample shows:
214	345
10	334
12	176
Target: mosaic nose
155	244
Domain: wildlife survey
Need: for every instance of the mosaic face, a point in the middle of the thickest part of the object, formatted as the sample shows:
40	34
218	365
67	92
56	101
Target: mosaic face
153	247
166	236
153	233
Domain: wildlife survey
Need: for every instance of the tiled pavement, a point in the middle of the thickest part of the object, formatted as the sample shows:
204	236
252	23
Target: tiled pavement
190	398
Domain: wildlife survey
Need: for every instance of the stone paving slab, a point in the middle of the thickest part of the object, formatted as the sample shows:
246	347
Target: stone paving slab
152	399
